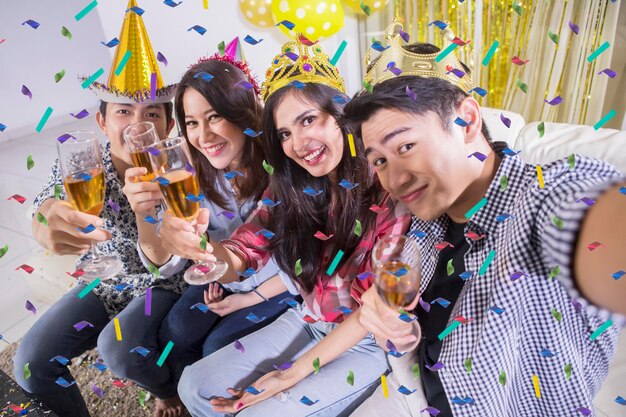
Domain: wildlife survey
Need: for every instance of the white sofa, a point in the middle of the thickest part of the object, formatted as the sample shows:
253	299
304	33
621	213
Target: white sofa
50	279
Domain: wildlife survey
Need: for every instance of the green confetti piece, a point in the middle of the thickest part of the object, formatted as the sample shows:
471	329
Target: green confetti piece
558	223
502	378
331	269
93	284
358	228
165	353
554	37
351	378
316	366
142	398
203	242
154	270
57	191
522	86
485	265
450	268
517	8
571	160
26	370
29	162
368	87
221	47
554	272
267	167
59	76
338	53
568	370
504	182
416	371
65	32
556	314
92	78
42	219
541	128
298	268
468	365
123	62
366	9
44	119
4	250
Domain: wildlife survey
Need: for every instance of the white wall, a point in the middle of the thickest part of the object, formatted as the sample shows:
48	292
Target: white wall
32	57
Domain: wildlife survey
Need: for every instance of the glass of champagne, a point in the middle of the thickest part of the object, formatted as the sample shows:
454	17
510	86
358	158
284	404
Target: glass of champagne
85	184
176	176
139	137
398	270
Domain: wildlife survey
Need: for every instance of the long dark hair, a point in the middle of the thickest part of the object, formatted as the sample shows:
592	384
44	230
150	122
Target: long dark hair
300	216
239	106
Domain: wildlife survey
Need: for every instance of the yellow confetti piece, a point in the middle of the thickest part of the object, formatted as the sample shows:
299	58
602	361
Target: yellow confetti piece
205	3
540	175
536	385
351	143
383	384
118	330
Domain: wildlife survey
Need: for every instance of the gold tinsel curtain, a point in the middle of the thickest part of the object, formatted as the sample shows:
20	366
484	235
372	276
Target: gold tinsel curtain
538	31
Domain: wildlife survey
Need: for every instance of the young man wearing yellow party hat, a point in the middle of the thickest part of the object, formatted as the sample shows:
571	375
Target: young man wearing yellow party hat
77	323
515	315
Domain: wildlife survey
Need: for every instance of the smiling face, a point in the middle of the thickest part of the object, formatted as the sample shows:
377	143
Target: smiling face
419	162
120	116
308	135
219	140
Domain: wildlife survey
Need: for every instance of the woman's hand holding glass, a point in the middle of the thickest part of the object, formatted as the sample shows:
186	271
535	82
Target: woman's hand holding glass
181	238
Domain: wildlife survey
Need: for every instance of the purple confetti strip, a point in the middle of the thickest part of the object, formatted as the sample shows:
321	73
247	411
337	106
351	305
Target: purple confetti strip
292	56
573	27
577	306
153	84
517	275
152	150
65	137
457	72
609	72
390	346
588	201
481	157
114	206
555	101
81	114
584	411
148	307
404	36
228	214
244	84
283	367
189	168
27	92
81	325
30	307
425	305
239	346
505	120
97	390
431	410
434	368
161	58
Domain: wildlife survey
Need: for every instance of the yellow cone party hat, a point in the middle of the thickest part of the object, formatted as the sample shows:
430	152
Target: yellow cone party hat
135	76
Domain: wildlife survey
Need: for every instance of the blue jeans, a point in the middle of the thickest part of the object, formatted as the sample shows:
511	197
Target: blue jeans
285	340
196	334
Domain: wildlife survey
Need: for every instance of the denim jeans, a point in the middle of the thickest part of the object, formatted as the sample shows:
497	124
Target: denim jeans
196	334
285	340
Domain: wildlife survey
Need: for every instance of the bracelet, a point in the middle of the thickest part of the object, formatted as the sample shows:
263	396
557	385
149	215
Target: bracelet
259	294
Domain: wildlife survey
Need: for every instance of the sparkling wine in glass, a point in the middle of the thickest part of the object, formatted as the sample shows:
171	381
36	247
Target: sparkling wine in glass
398	271
177	179
84	181
139	137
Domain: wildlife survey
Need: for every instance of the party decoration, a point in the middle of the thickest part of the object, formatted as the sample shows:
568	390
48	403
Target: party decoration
315	19
365	7
257	12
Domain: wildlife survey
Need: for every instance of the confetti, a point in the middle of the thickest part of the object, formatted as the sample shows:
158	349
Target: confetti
195	198
601	329
97	390
154	270
316	366
367	86
377	46
114	206
442	245
118	330
110	44
80	115
306	401
546	353
247	86
88	229
568	370
93	284
476	208
504	217
26	371
64	383
598	51
268	168
490	53
239	346
153	86
86	10
92	78
99	366
517	8
2	127
59	76
448	329
480	91
348	185
338	53
554	272
4	250
571	160
539	175
442	302
441	25
26	268
27	92
450	268
505	120
459	121
150	219
573	27
502	378
283	367
82	325
289	301
481	157
312	192
200	306
616	275
468	365
42	219
142	397
594	245
555	101
254	318
541	128
383	384
350	378
20	199
554	37
286	23
431	410
611	114
171	3
522	86
357	228
140	350
269	202
435	367
30	307
465	275
620	400
31	23
252	133
558	222
137	10
609	72
351	144
122	64
253	390
165	353
331	269
298	268
365	8
266	233
536	386
449	49
199	29
497	310
463	401
518	61
410	93
232	174
404	390
76	274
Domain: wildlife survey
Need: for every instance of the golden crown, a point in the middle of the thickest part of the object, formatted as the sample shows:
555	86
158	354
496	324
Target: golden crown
397	61
303	62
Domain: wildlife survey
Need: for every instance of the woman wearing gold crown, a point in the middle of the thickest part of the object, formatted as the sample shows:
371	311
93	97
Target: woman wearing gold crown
320	217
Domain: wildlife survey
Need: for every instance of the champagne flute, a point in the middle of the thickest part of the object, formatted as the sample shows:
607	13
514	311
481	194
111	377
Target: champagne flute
177	179
398	270
85	184
139	137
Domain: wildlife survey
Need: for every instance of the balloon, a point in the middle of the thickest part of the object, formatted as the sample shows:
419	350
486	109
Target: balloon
315	19
257	12
374	5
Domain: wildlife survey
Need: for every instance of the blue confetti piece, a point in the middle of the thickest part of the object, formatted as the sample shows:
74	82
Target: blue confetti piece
462	401
2	127
90	228
99	366
480	91
622	190
441	301
270	203
503	217
232	174
406	318
150	219
253	390
252	133
137	10
377	46
397	354
83	176
465	275
510	152
588	201
417	233
286	23
266	233
312	192
31	23
140	350
347	184
195	198
289	301
122	286
365	275
344	310
620	400
204	75
497	310
171	3
247	273
198	29
546	353
61	359
341	100
63	382
617	275
249	39
110	44
431	410
401	272
200	306
298	84
306	401
404	390
441	25
254	318
163	181
517	275
459	121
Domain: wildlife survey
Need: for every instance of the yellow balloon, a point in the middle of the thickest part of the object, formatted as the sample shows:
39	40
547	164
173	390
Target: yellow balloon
315	19
374	5
257	12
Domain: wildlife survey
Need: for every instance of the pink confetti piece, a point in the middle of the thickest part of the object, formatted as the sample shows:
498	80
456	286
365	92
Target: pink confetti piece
594	245
460	41
475	236
27	92
555	101
443	245
573	27
505	120
81	114
27	268
239	346
17	198
321	236
518	61
30	307
161	58
76	274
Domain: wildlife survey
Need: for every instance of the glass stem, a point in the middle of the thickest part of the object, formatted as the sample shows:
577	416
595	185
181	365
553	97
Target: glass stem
96	258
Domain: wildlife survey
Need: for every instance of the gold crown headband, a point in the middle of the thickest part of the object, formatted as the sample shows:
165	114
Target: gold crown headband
299	62
411	63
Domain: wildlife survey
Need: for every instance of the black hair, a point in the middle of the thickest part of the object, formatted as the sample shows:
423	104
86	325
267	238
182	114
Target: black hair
239	106
335	210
